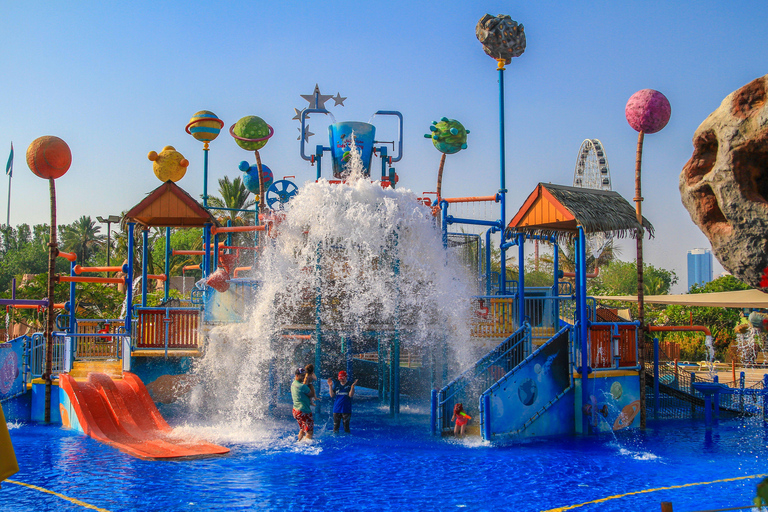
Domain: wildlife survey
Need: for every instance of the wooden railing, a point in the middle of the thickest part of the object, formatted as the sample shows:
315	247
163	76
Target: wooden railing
167	328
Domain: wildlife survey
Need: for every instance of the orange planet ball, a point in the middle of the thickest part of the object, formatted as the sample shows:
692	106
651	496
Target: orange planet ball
49	157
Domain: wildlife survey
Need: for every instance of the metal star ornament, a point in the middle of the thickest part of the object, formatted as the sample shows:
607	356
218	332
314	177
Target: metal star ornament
307	134
338	100
298	114
317	100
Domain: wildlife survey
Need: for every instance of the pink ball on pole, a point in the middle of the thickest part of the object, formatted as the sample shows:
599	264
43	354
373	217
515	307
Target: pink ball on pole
648	111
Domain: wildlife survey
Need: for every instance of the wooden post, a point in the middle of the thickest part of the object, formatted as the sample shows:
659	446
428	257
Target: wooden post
640	294
733	371
666	506
53	252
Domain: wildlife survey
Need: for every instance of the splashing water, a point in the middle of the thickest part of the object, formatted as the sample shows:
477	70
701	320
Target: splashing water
354	258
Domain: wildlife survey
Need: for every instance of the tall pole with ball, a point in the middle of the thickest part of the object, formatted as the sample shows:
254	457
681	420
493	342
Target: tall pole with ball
205	127
49	157
647	111
252	133
502	39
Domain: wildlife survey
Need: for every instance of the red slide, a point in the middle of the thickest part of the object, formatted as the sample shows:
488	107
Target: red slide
122	414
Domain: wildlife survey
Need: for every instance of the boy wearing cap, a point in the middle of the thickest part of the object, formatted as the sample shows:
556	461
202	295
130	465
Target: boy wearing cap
301	394
342	393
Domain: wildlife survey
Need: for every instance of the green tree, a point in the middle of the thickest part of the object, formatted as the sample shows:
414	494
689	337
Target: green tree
234	195
82	238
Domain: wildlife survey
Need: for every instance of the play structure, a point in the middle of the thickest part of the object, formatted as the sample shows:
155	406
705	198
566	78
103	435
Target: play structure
351	272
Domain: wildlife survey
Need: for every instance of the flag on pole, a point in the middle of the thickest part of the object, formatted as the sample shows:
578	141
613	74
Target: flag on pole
9	165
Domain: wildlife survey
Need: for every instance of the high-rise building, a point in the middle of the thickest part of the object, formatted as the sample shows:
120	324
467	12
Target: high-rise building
699	267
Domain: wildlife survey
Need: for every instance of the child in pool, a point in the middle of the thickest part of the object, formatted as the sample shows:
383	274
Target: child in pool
461	418
309	378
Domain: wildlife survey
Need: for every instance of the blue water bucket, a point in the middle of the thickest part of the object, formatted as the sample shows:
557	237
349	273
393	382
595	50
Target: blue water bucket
341	138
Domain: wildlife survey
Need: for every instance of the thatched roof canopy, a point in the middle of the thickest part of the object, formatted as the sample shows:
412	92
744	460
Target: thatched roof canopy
170	205
557	210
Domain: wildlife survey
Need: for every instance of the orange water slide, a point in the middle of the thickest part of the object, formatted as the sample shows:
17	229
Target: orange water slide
122	414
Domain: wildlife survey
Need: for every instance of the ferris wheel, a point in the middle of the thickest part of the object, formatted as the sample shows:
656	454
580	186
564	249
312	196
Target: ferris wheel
592	172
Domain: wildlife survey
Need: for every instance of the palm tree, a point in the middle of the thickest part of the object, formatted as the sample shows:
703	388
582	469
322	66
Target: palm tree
234	195
82	238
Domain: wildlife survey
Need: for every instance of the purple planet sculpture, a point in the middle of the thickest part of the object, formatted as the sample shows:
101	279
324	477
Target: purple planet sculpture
648	111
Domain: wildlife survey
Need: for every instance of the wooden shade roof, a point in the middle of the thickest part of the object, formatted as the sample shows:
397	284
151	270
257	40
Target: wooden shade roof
557	210
170	206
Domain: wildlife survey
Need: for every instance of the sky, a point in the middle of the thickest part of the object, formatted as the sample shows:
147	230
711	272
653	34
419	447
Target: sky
117	80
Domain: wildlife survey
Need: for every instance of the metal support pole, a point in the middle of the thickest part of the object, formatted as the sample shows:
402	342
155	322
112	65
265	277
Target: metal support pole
581	301
168	253
144	266
521	279
207	246
72	300
502	178
656	378
205	175
129	279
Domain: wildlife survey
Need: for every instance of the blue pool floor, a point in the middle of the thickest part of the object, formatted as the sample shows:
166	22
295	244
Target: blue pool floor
394	464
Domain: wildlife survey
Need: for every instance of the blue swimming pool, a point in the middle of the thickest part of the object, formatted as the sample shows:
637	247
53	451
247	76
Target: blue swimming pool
388	464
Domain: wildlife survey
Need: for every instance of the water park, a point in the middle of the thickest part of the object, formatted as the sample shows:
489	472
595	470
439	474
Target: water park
565	401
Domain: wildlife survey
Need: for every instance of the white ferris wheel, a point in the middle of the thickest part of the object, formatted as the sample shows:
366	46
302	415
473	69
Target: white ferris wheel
592	172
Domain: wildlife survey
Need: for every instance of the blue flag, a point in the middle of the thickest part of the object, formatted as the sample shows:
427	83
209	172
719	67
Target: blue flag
9	165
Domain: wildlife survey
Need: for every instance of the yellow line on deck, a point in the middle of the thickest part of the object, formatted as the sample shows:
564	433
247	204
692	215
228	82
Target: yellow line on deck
72	500
601	500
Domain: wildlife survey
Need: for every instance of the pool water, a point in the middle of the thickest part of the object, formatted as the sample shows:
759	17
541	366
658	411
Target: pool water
394	464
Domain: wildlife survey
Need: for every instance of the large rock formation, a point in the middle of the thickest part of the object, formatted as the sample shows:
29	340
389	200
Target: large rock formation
724	186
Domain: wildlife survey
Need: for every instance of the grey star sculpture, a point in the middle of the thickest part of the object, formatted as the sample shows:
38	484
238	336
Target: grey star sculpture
298	114
338	100
316	100
307	134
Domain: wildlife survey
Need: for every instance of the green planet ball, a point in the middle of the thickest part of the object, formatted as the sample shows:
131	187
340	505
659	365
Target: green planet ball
448	135
253	128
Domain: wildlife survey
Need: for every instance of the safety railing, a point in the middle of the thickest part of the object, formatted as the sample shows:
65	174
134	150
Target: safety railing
167	329
467	387
613	345
37	353
498	317
98	338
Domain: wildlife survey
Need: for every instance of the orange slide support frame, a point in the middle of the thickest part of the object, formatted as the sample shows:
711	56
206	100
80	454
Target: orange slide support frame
121	413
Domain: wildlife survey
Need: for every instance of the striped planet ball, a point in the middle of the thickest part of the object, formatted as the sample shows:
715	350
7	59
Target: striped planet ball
49	157
252	128
205	126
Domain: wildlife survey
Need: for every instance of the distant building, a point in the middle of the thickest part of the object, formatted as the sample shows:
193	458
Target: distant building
699	267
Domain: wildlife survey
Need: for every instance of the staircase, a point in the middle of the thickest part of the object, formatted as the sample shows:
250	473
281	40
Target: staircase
81	369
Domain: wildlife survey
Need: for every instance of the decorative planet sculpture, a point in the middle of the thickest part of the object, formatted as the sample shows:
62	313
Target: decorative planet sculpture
648	111
204	126
501	36
448	135
251	133
169	164
251	176
49	157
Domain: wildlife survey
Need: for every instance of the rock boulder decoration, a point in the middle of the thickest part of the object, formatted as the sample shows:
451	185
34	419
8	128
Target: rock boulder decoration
724	186
502	37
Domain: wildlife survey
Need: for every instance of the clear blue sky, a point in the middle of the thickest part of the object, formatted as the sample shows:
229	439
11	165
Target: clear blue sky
117	80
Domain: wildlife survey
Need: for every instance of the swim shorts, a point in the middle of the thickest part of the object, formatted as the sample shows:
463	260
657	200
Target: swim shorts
305	421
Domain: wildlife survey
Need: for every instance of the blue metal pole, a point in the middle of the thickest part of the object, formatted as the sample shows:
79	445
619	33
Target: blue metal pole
655	377
581	282
433	411
383	154
216	251
207	245
556	271
205	175
487	417
765	397
502	180
72	299
488	261
144	265
444	222
319	159
129	279
167	284
229	235
521	278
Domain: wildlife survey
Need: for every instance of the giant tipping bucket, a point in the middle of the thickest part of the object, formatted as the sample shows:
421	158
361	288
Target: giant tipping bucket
341	135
